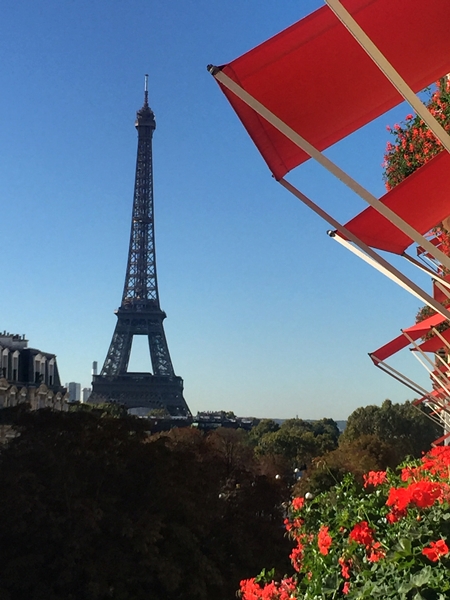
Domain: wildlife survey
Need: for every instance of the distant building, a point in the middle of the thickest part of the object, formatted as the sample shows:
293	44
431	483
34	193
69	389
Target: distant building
28	375
86	392
74	390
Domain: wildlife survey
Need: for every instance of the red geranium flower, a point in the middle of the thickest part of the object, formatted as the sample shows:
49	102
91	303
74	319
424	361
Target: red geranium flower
424	493
398	498
345	567
421	493
324	540
296	556
436	550
297	503
376	553
374	478
362	533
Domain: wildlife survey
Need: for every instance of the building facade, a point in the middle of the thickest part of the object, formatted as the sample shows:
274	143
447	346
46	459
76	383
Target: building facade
28	375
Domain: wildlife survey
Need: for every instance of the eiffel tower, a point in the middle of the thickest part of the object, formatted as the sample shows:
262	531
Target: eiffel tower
140	312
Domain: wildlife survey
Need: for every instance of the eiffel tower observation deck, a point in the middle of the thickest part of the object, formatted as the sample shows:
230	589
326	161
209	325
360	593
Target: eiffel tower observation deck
140	312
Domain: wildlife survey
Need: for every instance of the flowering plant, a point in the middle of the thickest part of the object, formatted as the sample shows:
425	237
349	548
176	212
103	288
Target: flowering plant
415	144
389	539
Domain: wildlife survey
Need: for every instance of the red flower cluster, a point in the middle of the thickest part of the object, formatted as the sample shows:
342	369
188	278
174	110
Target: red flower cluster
411	473
298	503
436	550
362	534
425	484
415	144
324	540
376	552
251	590
293	524
374	478
420	493
296	556
437	462
345	567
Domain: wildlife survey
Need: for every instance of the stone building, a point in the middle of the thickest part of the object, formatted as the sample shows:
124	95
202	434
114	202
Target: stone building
29	375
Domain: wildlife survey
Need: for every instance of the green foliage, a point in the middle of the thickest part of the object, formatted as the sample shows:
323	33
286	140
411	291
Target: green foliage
263	427
386	540
102	409
358	456
414	144
376	438
402	425
296	440
91	508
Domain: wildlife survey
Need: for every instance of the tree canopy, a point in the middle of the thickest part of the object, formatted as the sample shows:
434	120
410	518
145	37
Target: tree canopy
92	507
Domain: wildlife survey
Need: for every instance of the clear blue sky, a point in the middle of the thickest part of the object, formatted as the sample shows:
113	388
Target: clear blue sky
266	315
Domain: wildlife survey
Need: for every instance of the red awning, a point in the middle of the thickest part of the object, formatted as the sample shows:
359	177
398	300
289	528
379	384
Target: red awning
439	294
319	81
415	332
422	200
435	343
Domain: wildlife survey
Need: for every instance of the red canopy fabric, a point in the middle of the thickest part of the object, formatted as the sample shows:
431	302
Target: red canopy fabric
439	294
319	81
422	200
435	343
415	332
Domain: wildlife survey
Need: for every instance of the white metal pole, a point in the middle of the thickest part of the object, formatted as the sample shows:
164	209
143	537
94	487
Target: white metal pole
395	274
399	376
376	266
441	337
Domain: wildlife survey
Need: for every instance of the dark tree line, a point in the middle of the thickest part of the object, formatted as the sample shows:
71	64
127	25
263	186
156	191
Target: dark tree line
92	507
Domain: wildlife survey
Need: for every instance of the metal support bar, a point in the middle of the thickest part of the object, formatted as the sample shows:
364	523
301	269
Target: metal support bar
376	266
441	284
400	377
440	379
395	274
419	265
441	337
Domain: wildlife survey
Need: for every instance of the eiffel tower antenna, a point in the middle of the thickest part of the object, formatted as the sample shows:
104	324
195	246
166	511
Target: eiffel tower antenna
140	312
146	90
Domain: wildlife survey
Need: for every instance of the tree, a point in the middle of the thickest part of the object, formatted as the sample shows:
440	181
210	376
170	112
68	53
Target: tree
92	507
358	456
404	425
298	441
263	427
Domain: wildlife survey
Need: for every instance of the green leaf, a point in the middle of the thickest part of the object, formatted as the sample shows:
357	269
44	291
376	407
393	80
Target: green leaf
405	587
265	576
422	577
405	545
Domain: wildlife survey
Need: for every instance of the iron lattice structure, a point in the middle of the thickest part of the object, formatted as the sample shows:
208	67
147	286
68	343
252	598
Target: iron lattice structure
140	312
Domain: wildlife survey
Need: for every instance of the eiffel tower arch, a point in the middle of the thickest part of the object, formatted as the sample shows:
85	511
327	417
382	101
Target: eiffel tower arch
140	312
